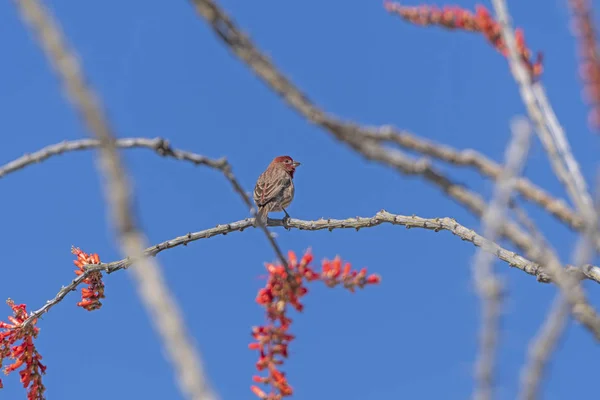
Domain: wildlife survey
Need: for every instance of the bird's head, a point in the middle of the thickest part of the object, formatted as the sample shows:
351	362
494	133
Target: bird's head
286	163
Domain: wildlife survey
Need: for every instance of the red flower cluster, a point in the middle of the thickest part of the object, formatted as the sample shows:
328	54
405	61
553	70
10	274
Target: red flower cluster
23	353
590	57
454	17
90	296
272	340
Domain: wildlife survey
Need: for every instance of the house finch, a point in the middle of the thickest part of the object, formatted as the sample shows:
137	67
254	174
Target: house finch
274	189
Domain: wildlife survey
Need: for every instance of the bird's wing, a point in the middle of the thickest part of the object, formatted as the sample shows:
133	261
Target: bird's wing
269	186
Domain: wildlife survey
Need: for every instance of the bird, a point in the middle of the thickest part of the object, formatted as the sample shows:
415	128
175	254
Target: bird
274	189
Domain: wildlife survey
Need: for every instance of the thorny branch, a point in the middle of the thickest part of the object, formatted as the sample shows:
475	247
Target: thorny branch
590	272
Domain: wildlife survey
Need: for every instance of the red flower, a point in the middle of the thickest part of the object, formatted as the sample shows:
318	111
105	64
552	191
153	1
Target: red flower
272	340
589	55
453	17
90	296
16	343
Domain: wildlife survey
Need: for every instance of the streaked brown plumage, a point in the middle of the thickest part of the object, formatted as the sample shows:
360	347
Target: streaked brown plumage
274	190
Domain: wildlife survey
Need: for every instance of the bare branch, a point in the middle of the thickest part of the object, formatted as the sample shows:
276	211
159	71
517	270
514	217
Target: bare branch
159	145
155	294
435	224
488	285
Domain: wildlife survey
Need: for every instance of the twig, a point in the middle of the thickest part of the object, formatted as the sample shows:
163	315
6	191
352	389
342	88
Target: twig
435	224
152	289
489	286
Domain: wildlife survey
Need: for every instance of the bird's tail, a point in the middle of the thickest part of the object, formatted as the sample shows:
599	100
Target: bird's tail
262	215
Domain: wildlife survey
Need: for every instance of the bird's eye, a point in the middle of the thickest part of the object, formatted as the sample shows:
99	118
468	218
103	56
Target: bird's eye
288	161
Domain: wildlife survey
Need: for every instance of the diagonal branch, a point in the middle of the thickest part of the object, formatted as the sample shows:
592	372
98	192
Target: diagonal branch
485	166
590	272
152	289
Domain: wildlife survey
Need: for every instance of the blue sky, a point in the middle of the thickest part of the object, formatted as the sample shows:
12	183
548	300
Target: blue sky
161	72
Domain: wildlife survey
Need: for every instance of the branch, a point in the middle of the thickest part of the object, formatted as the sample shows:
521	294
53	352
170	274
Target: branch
485	166
152	289
435	224
159	145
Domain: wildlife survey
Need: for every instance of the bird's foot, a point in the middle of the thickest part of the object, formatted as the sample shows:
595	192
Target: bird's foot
286	221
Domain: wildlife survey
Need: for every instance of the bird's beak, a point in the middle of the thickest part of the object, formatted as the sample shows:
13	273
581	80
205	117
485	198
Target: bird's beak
296	163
